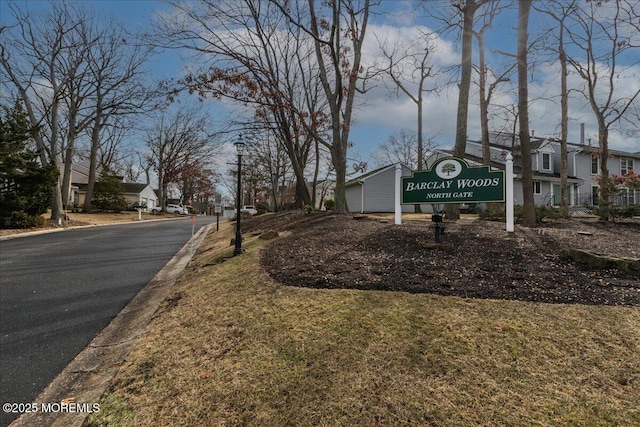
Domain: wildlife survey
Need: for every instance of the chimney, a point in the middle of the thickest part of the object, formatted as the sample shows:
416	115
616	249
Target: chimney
533	133
581	133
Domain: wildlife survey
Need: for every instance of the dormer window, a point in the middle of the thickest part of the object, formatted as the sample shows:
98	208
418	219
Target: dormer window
546	161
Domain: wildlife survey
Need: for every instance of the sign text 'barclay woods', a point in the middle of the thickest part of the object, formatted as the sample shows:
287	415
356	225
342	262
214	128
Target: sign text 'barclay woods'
451	180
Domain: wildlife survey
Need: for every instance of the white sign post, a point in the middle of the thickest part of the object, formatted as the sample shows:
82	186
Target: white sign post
509	193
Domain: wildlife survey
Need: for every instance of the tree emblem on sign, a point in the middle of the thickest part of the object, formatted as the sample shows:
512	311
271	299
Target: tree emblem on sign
448	168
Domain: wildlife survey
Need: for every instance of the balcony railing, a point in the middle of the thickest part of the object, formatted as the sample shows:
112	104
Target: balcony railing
619	200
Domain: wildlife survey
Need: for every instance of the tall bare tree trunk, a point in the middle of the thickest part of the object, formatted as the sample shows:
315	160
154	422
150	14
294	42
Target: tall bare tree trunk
529	216
93	166
465	78
564	107
484	102
469	10
603	142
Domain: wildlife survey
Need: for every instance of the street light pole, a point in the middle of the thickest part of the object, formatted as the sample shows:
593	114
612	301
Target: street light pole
239	150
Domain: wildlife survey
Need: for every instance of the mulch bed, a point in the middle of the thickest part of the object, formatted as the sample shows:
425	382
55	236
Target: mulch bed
476	259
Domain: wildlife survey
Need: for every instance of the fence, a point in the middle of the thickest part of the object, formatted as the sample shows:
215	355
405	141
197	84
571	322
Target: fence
618	200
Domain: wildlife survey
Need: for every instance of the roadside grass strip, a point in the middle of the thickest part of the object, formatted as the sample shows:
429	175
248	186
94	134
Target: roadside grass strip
232	347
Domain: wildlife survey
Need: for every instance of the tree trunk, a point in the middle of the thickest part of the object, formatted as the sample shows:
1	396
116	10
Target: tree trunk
529	215
66	175
484	104
95	142
302	192
339	159
57	211
465	79
453	210
564	106
603	141
316	172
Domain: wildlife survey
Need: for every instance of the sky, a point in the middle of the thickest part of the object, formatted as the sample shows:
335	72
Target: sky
382	113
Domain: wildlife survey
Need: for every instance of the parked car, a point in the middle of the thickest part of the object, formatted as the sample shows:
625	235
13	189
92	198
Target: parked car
249	209
170	209
137	206
176	209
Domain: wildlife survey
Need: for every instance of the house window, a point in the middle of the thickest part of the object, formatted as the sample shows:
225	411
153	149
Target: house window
626	197
594	164
626	165
537	187
546	161
595	191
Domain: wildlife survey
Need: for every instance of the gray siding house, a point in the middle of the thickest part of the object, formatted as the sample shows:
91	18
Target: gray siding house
585	161
583	169
375	191
545	162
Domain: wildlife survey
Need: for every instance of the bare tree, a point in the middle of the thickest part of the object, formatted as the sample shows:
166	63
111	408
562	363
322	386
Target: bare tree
198	184
271	155
39	59
409	67
253	56
529	215
467	9
338	38
115	79
72	70
483	75
604	35
464	20
279	57
177	143
399	147
560	11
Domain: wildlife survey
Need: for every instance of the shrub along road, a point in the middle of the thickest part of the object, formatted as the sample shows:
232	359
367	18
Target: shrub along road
58	290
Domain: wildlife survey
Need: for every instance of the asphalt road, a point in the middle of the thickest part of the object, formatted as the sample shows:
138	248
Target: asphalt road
59	290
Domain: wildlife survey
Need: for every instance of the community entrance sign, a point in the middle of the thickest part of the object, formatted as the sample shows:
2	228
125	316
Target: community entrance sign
452	180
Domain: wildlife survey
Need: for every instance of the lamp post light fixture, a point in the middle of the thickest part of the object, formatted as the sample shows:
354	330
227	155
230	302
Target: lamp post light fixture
239	150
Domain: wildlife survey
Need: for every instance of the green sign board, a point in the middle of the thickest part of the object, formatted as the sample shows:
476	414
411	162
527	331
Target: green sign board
452	180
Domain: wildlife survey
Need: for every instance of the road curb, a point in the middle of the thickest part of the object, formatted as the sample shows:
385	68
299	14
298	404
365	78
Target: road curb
82	383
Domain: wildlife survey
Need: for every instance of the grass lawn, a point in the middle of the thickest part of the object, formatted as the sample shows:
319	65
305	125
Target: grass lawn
232	347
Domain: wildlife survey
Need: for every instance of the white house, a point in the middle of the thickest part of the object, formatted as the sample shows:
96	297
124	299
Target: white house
140	194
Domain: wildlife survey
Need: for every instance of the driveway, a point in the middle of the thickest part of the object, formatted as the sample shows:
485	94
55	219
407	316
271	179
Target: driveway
59	290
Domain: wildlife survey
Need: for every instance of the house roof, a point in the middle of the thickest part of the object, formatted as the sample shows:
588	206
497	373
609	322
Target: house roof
80	173
594	149
374	172
507	142
133	187
498	161
129	187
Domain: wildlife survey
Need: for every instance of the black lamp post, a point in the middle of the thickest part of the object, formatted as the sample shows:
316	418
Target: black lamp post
239	150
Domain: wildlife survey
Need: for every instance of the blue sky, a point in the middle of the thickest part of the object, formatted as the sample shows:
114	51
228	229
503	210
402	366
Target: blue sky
381	114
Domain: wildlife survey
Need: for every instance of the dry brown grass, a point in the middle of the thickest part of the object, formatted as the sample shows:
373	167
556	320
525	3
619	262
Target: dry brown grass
76	219
231	347
111	218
